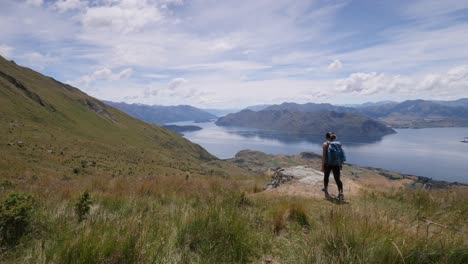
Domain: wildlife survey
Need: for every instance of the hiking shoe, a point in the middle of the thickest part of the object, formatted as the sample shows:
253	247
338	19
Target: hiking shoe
325	190
341	197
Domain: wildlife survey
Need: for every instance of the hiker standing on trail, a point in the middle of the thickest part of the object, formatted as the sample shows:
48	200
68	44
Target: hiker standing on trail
333	157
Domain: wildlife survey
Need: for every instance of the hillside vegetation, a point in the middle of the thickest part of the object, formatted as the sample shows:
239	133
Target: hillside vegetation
51	129
205	219
81	182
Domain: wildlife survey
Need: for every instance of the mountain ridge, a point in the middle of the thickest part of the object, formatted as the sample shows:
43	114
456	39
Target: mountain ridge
51	128
410	113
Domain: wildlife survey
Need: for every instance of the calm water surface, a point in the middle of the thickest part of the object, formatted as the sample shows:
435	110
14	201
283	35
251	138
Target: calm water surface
431	152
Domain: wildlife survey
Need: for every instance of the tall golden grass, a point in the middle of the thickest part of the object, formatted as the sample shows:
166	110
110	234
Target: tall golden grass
210	219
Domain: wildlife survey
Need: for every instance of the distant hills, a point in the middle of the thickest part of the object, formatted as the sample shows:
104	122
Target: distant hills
460	102
410	113
419	113
157	114
49	129
308	124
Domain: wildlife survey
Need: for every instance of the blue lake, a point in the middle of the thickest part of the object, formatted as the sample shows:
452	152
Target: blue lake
432	152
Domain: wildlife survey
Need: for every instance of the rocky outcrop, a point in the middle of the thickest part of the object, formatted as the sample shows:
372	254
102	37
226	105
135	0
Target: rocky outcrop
99	108
27	92
302	174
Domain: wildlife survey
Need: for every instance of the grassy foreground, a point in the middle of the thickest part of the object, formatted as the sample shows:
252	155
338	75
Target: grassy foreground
211	219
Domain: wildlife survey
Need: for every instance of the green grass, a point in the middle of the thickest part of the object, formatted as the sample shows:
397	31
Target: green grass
169	219
157	198
75	135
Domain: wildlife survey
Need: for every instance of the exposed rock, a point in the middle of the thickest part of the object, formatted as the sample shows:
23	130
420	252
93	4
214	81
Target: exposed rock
99	108
302	174
27	92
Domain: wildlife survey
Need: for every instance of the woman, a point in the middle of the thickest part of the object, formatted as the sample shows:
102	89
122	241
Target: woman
332	160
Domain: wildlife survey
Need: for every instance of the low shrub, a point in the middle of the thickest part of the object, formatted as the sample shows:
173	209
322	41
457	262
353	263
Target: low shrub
15	217
83	206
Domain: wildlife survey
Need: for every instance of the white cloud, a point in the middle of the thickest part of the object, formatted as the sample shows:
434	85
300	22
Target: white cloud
123	16
156	76
67	5
452	82
224	66
35	3
371	83
177	82
236	52
455	79
431	8
103	74
36	59
248	51
336	65
6	51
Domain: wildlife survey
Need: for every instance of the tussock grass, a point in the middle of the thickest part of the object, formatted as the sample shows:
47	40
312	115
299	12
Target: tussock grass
208	219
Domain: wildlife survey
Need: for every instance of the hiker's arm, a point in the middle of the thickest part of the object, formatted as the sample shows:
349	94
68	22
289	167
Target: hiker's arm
324	155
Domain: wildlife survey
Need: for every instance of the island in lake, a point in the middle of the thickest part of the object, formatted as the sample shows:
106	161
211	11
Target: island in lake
310	124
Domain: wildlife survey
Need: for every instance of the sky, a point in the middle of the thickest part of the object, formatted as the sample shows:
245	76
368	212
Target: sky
233	54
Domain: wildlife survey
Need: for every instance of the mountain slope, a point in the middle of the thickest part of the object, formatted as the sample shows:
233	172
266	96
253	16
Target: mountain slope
50	128
347	125
157	114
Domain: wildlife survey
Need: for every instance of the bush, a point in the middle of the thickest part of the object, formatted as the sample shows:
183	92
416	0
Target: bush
83	206
15	217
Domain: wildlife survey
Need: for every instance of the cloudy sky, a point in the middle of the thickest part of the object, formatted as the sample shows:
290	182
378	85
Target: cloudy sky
231	54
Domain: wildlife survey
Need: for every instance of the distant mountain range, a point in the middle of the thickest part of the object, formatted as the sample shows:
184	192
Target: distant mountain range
160	115
411	113
460	102
308	124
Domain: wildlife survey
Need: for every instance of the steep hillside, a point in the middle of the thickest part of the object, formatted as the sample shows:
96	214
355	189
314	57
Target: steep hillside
347	125
158	114
51	128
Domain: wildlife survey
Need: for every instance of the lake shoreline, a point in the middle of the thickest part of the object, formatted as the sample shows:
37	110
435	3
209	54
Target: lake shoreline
434	153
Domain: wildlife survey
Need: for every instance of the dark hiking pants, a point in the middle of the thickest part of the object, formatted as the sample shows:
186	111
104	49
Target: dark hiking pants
336	174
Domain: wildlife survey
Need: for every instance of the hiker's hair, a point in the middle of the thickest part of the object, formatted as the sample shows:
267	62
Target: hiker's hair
330	135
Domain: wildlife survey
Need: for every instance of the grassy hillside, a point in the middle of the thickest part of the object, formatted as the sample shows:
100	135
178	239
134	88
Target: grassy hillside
81	182
52	129
178	219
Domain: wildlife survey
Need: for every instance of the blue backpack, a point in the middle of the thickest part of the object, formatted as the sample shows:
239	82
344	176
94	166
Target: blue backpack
335	153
